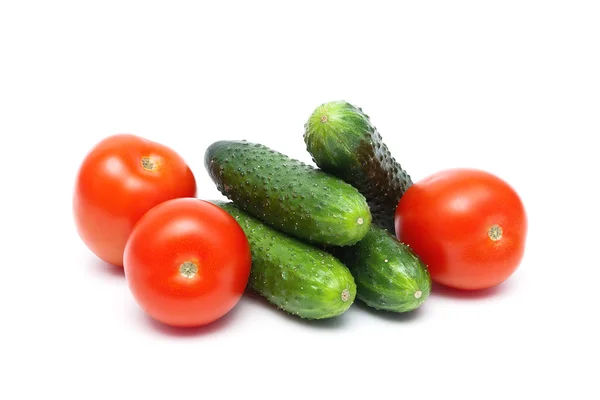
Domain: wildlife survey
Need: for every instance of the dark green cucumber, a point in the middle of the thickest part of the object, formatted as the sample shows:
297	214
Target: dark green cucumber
293	275
388	274
344	143
288	194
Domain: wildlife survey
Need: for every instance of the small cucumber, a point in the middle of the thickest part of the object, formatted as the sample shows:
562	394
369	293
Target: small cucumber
293	275
288	194
344	143
388	274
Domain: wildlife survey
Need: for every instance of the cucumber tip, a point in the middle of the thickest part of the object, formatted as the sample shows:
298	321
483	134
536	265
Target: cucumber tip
345	295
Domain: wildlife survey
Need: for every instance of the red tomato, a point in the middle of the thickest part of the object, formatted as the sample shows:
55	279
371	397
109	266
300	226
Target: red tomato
468	226
121	178
187	262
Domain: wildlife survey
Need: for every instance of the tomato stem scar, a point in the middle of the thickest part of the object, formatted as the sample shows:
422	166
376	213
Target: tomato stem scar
495	232
188	269
148	163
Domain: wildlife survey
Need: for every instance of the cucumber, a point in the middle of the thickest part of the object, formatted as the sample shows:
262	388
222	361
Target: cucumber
344	143
296	277
388	274
287	194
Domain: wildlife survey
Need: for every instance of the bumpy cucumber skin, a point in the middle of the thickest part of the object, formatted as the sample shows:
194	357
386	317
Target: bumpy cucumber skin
388	274
296	277
288	194
344	143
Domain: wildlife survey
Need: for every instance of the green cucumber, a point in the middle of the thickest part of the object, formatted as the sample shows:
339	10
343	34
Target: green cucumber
287	194
388	274
344	143
293	275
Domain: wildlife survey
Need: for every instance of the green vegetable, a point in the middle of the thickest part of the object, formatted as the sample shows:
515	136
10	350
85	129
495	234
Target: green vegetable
287	194
388	274
343	142
293	275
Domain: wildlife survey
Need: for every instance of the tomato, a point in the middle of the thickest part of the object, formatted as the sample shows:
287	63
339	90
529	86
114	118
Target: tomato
468	226
120	179
187	262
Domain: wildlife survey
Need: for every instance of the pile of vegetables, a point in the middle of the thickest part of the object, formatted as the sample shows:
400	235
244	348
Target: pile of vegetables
311	240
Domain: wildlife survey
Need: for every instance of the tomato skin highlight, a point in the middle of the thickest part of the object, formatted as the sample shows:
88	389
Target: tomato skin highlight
120	179
212	244
468	226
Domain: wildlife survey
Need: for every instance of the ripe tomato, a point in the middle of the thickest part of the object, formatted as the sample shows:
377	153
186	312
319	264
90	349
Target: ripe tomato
187	262
468	226
121	178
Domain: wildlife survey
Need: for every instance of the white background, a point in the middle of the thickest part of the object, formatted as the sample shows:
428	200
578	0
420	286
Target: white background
512	87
